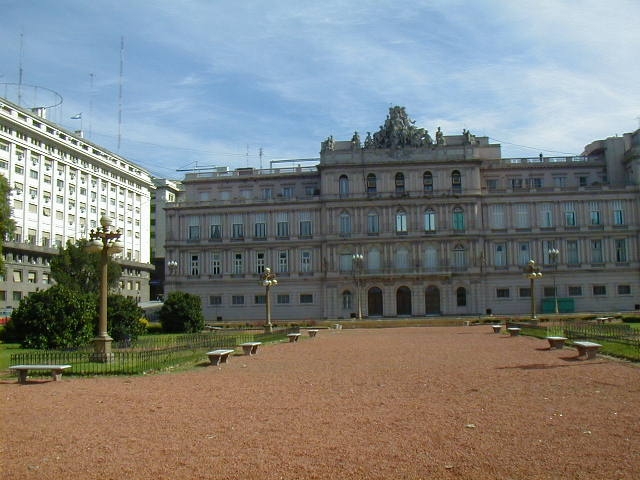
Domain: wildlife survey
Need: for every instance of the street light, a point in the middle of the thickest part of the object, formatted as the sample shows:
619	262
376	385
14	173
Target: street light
358	263
173	267
553	256
105	241
533	273
268	281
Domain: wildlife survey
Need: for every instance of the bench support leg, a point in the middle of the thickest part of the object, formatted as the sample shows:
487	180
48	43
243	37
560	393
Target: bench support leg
22	376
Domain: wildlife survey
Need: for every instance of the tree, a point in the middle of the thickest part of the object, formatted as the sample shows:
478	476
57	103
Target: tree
125	318
56	318
181	312
7	225
79	269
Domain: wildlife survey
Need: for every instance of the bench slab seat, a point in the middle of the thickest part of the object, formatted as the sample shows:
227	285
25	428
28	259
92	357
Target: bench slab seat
23	371
293	337
496	328
250	348
216	357
588	349
514	331
556	342
313	332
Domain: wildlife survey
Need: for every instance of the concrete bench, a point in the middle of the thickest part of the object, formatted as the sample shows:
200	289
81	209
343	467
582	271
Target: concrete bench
250	348
556	342
219	356
313	332
293	337
514	331
23	371
496	328
587	348
337	326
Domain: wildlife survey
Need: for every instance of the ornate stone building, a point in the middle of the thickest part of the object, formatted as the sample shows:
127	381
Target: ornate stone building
402	224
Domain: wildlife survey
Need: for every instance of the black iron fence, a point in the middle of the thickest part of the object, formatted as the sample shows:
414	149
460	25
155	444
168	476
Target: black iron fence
148	353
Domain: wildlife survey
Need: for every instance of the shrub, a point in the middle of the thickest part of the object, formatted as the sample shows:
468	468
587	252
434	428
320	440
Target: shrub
125	318
181	312
56	318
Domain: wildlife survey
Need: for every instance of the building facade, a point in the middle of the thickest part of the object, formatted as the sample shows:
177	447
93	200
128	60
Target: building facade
403	224
61	186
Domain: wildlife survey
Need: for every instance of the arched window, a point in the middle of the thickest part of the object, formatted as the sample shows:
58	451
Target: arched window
343	185
371	183
461	297
427	182
399	182
429	220
456	181
401	222
458	218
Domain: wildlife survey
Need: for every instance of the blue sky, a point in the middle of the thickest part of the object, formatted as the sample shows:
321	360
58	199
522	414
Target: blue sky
211	82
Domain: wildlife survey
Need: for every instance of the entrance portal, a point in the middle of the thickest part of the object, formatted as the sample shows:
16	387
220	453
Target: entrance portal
403	301
432	300
374	302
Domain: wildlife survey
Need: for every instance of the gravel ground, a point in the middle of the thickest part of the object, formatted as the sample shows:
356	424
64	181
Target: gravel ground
402	403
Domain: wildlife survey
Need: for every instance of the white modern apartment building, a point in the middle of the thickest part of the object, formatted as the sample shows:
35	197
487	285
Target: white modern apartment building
61	186
403	224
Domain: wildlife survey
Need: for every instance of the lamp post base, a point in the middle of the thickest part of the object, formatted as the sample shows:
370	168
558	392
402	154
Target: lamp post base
102	349
268	328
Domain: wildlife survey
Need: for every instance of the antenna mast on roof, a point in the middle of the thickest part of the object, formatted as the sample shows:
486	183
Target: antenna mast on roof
260	153
120	92
20	71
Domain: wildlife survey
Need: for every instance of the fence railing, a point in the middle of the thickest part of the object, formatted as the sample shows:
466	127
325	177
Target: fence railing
617	339
147	353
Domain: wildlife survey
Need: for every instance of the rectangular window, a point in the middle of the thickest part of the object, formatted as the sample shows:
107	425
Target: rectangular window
594	213
500	257
260	299
305	261
624	289
524	292
31	277
502	293
458	219
569	214
573	255
497	218
215	300
524	254
287	192
305	225
621	250
596	251
516	183
216	263
194	232
618	213
282	225
260	262
237	300
306	298
216	228
560	182
599	290
401	222
283	261
282	298
237	227
238	264
345	224
522	215
195	265
260	226
549	292
267	193
575	291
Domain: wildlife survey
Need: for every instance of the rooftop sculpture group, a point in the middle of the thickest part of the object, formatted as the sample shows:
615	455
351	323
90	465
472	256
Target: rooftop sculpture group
398	131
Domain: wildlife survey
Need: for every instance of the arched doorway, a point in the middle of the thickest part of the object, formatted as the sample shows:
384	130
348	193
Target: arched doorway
403	301
374	302
432	300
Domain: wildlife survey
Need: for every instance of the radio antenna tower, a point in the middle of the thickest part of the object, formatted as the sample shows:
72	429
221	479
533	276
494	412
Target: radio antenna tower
120	92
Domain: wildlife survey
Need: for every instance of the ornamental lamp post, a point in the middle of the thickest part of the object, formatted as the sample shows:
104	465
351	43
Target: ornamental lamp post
106	242
553	256
358	263
268	281
533	273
